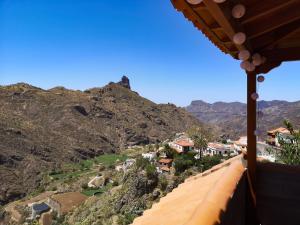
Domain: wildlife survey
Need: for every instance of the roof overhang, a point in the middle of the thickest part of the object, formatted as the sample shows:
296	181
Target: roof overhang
272	27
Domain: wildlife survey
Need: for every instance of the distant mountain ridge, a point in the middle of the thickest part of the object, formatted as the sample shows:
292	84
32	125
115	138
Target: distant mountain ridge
40	129
230	118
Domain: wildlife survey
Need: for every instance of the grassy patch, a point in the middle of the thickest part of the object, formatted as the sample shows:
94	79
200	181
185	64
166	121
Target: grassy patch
91	192
96	191
109	159
75	170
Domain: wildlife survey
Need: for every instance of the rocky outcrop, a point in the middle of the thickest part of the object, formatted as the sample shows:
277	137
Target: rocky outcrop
125	82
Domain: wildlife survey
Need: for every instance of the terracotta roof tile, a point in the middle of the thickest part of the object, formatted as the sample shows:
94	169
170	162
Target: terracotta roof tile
199	200
165	160
279	130
165	168
184	143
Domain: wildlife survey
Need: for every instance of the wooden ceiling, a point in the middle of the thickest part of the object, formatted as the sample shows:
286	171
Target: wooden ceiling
272	27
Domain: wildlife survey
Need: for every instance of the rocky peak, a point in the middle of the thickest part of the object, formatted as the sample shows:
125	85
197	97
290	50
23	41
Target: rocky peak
125	82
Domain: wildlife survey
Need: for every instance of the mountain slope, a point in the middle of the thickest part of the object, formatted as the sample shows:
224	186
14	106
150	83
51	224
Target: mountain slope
230	118
41	129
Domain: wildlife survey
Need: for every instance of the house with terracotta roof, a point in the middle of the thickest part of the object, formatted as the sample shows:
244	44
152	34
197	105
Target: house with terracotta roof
276	134
164	165
165	162
214	148
182	145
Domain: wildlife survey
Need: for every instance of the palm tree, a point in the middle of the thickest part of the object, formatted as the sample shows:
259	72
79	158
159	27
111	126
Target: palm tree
200	143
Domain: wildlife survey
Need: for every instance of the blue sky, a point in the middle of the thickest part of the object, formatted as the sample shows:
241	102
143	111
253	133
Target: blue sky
81	44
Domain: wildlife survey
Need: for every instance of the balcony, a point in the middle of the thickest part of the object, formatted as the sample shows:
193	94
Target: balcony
223	195
243	190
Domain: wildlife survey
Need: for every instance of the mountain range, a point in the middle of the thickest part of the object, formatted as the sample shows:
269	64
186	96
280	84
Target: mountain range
230	118
41	129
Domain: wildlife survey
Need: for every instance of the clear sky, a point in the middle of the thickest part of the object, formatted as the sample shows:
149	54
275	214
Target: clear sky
81	44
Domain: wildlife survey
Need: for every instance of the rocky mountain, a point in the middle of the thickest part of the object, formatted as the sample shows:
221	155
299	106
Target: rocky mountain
41	129
230	118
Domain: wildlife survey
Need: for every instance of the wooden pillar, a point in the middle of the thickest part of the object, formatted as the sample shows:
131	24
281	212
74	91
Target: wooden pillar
251	127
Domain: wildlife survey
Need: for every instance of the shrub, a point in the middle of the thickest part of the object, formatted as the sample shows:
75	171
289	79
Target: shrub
150	171
111	167
84	186
55	172
163	183
181	164
115	183
141	163
208	162
170	153
290	153
126	219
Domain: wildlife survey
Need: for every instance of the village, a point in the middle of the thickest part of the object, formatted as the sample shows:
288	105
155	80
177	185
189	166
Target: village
165	157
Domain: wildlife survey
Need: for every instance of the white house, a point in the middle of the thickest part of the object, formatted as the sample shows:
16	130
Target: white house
275	135
183	145
219	149
150	156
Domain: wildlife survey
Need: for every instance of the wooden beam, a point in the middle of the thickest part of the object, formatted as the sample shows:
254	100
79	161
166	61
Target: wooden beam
251	127
224	19
190	14
267	67
273	37
269	23
282	54
262	8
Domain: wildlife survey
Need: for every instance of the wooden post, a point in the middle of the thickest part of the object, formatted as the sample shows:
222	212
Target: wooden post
251	127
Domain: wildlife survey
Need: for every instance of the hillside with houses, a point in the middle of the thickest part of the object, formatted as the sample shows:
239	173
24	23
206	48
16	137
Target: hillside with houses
42	129
116	188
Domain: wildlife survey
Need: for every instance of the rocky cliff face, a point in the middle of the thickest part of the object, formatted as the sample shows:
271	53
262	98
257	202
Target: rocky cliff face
40	129
230	118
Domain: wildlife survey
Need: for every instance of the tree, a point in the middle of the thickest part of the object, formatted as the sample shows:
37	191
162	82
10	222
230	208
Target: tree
208	162
290	145
200	143
200	137
181	164
170	153
200	131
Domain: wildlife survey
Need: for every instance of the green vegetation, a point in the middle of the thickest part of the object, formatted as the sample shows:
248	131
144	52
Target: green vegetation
290	145
170	153
75	170
93	191
163	182
109	159
145	164
200	132
150	171
199	137
186	161
141	162
70	175
127	218
208	162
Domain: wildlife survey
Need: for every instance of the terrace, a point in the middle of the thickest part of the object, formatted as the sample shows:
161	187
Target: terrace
241	191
